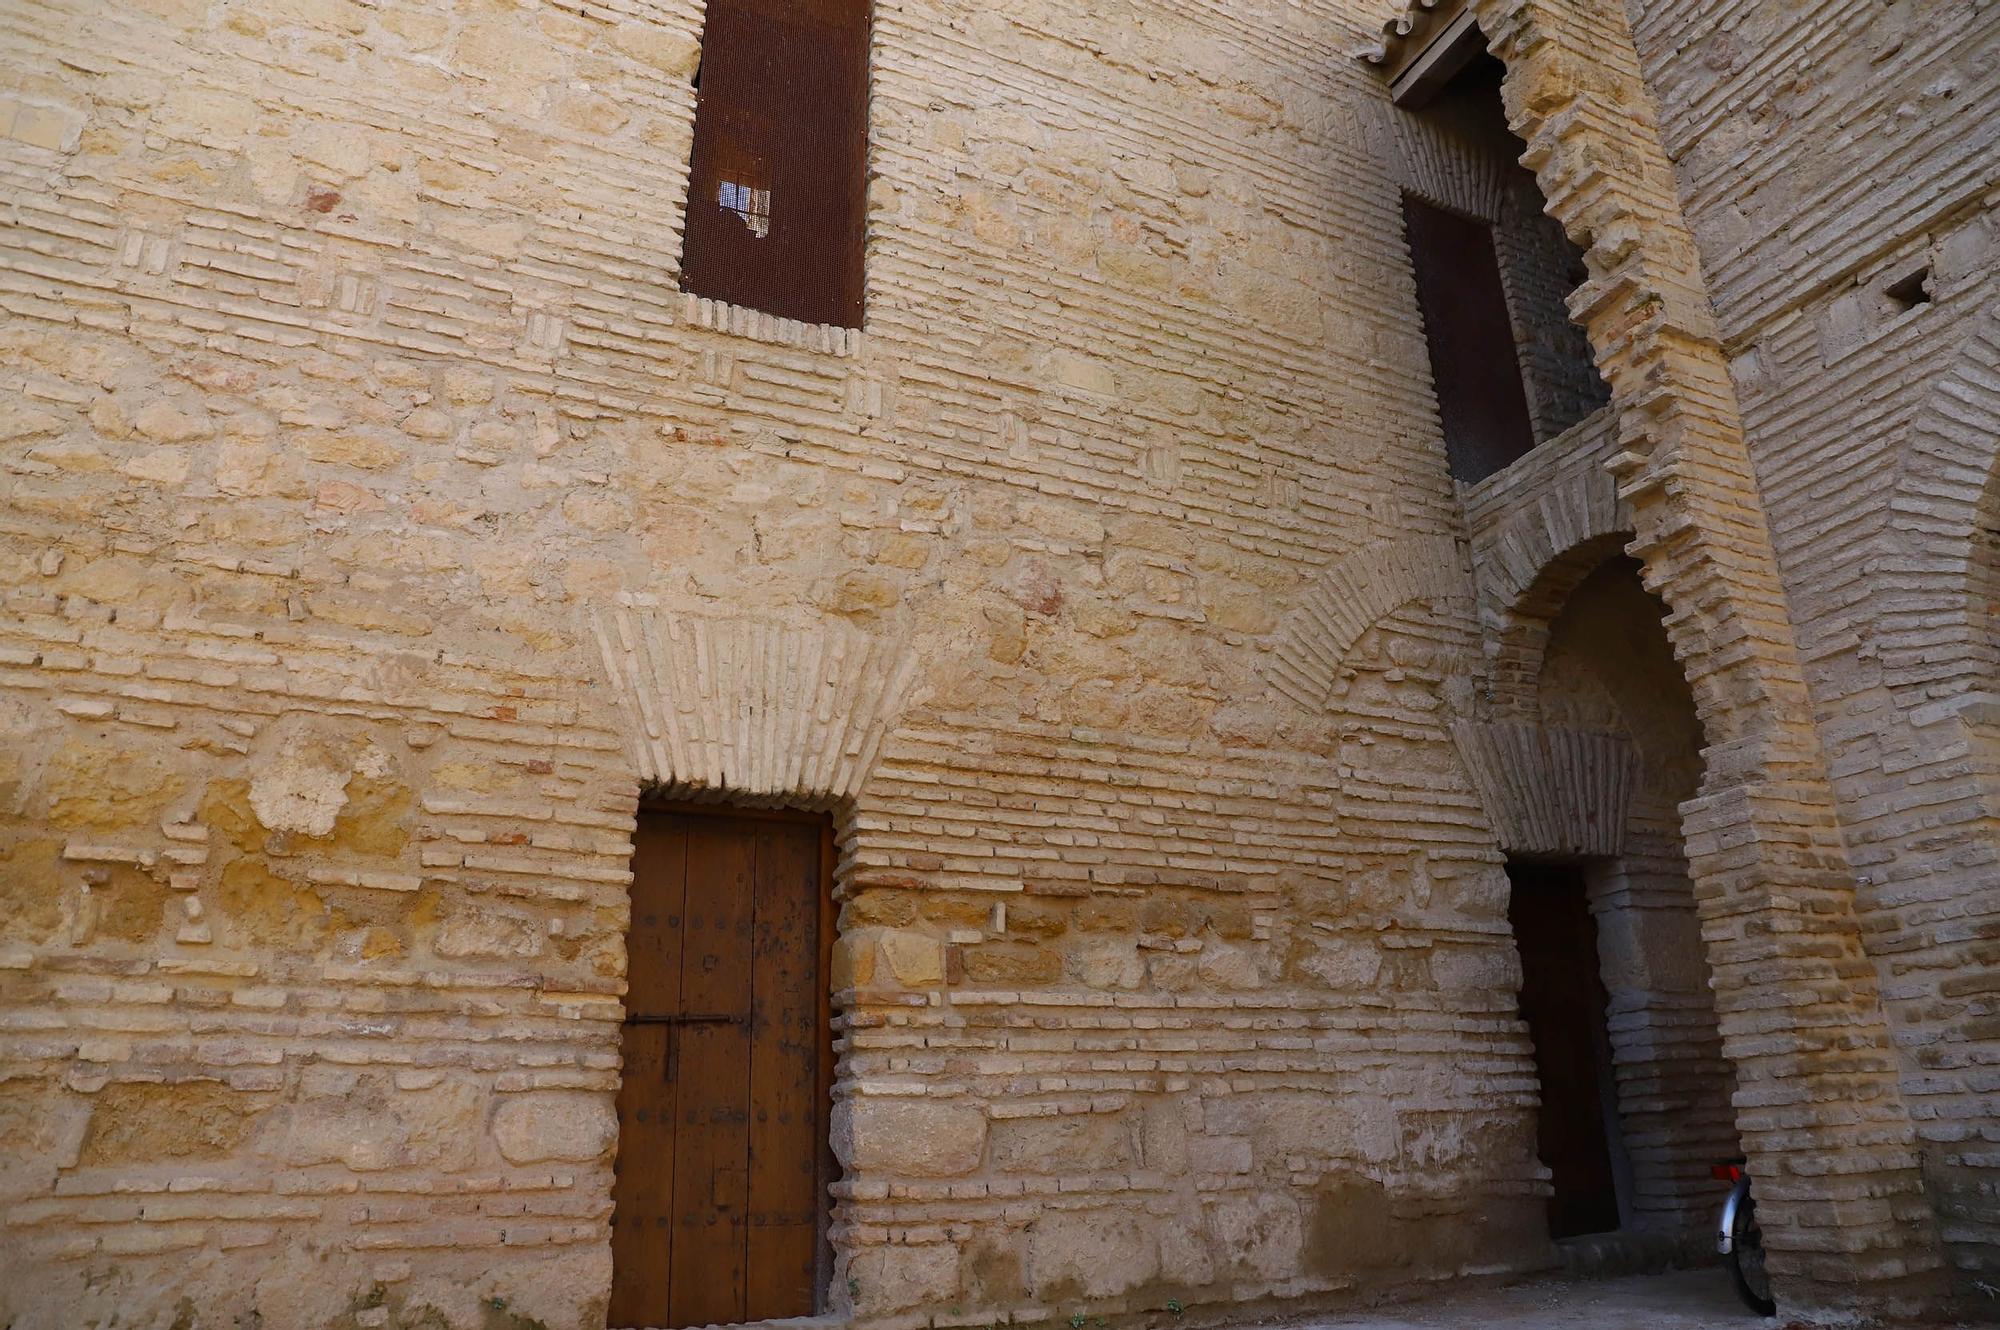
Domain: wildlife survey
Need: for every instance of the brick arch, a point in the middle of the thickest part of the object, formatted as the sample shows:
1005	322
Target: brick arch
1310	647
1946	505
1517	642
1528	564
762	711
1800	1013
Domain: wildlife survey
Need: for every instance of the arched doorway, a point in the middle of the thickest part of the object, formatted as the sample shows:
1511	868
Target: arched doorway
1636	1093
1799	1007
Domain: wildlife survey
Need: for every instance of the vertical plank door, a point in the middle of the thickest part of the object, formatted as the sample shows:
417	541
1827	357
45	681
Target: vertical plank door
784	1139
642	1221
712	1084
718	1203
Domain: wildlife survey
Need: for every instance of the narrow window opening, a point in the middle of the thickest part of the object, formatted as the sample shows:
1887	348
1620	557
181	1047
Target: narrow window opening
1906	293
1470	339
1493	275
777	192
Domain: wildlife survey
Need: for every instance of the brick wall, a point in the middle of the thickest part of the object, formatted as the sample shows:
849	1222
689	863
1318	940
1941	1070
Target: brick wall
379	518
1872	426
1800	1004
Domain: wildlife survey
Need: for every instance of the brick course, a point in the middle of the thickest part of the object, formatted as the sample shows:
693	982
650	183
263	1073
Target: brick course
380	522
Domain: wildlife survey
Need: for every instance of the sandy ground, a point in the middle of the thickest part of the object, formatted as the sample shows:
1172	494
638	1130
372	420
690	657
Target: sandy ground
1684	1300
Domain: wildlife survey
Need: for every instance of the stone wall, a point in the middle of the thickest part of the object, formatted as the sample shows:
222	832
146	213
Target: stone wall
1799	999
1873	423
379	517
379	520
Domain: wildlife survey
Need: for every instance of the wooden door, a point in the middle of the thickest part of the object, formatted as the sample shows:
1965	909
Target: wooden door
1563	1001
718	1204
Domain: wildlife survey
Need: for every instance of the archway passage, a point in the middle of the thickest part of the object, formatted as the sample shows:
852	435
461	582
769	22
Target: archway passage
1644	1049
1798	1001
719	1209
1564	1003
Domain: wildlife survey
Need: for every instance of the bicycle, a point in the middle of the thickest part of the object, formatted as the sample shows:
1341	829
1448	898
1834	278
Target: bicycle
1741	1242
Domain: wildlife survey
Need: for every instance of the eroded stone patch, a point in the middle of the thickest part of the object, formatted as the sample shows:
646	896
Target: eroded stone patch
154	1124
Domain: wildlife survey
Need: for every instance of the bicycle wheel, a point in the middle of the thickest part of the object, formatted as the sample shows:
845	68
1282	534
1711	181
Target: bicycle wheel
1746	1261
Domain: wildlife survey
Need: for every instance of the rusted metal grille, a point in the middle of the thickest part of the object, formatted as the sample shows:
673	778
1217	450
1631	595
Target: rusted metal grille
777	188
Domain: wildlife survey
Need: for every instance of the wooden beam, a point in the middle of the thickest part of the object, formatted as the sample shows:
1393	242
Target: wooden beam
1445	46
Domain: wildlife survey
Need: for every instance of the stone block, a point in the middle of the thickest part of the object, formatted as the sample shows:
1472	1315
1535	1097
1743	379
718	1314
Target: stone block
41	126
1258	1236
543	1126
1111	963
1071	1143
1163	1136
1077	1254
895	1137
886	958
372	1129
478	932
916	960
901	1277
146	1124
673	53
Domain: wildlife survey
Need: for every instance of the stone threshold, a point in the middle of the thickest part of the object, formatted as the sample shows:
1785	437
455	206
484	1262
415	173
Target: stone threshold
781	1323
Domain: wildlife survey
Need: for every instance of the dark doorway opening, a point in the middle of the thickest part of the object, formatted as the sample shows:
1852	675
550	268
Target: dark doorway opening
720	1201
1470	337
1493	270
1563	1002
